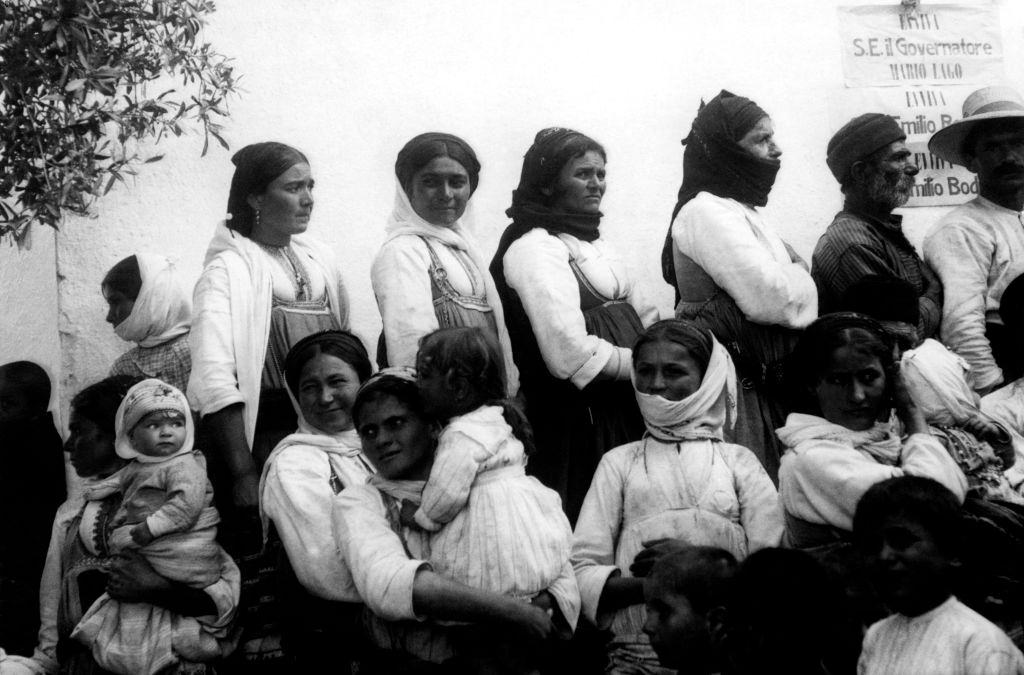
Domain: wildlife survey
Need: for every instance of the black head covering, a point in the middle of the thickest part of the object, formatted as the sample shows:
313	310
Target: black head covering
714	161
256	166
419	151
339	343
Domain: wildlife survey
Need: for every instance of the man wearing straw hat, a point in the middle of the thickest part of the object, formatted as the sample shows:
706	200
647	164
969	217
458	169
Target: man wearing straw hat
977	249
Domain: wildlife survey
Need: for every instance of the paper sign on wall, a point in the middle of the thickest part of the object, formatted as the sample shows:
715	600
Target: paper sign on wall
919	68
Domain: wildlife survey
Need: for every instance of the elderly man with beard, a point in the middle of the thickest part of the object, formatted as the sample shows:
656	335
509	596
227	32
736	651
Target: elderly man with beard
870	159
978	248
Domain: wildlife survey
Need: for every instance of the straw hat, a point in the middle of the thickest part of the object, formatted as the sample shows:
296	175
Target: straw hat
990	103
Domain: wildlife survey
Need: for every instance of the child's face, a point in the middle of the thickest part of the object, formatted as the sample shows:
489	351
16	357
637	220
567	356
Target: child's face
910	569
678	634
159	434
666	369
14	404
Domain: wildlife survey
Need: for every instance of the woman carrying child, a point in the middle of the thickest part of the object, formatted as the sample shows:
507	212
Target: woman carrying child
167	514
495	528
80	563
680	481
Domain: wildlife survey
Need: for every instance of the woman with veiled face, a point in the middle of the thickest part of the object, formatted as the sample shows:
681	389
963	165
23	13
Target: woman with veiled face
572	309
429	273
732	273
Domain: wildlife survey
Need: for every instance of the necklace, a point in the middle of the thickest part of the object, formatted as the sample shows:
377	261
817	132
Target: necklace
285	257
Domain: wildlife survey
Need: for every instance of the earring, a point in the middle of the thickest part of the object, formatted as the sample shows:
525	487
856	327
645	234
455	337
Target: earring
257	218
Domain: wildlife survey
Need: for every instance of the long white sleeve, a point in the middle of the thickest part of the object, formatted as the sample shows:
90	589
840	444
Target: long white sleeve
298	498
961	252
760	508
213	384
401	284
596	536
383	572
537	269
749	262
821	481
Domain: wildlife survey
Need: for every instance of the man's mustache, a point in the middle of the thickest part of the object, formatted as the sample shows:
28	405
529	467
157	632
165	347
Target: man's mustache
1009	169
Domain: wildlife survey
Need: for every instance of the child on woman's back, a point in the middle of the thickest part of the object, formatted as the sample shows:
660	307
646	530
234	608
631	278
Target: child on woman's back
167	513
494	527
681	481
909	528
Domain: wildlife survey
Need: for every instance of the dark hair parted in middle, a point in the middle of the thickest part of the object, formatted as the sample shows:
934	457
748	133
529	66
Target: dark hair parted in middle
422	149
99	401
683	332
397	382
338	343
256	167
125	277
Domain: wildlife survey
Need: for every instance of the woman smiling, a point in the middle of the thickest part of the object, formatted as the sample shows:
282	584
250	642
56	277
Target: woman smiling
429	273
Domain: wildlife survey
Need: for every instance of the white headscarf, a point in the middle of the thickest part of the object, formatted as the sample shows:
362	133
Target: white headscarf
704	414
404	220
146	397
163	310
938	382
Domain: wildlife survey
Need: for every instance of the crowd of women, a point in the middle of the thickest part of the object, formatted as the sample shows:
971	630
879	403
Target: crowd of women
532	441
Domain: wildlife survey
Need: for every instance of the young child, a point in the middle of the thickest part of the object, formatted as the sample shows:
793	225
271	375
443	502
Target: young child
495	528
909	528
167	514
682	593
31	488
939	382
681	481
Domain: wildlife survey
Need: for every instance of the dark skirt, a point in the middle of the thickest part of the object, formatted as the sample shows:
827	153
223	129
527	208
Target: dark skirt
573	428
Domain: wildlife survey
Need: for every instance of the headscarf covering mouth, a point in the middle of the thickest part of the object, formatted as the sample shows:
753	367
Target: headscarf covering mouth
714	161
144	398
424	148
163	308
706	414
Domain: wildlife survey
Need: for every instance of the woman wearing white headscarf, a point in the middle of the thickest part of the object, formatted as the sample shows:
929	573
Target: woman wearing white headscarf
681	482
151	306
429	273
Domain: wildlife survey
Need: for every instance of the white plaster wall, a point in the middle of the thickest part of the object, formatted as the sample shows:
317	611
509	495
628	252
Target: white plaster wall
350	82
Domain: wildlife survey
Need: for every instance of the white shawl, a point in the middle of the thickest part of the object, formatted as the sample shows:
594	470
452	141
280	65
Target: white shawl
405	221
163	310
227	361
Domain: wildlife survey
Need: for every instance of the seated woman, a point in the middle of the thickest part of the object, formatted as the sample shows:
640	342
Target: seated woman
150	305
388	561
680	482
300	480
429	273
844	440
79	567
732	273
573	310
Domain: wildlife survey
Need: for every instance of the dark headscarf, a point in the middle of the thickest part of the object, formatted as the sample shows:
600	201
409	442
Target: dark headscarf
552	149
339	343
714	161
256	166
125	277
683	332
419	152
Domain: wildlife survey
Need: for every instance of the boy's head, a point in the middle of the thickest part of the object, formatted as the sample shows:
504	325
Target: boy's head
909	530
682	590
891	301
153	422
785	615
24	391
